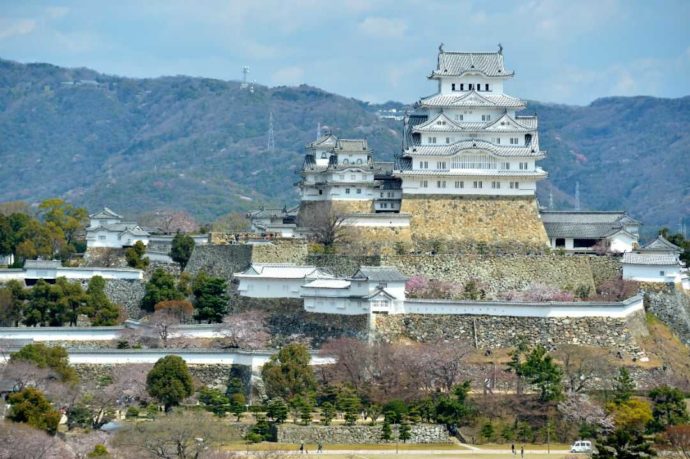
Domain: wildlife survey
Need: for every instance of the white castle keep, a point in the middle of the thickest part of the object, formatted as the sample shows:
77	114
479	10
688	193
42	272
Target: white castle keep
467	139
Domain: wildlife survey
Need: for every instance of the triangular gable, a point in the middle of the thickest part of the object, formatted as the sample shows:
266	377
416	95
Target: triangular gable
105	213
509	124
379	294
432	123
662	244
473	97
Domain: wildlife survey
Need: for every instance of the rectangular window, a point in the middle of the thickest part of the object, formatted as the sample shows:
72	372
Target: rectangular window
471	86
432	139
496	185
458	117
514	185
486	117
514	140
101	238
462	86
459	184
478	184
523	166
486	87
662	273
347	191
424	184
353	177
452	87
447	139
498	140
342	176
424	164
441	184
381	194
440	164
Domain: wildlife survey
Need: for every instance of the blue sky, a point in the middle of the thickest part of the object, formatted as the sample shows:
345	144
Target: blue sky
562	51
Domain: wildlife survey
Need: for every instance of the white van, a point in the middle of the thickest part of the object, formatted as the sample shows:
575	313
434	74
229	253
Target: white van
581	446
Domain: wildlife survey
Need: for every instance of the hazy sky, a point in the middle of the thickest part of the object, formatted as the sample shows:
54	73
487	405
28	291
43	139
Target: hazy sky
562	51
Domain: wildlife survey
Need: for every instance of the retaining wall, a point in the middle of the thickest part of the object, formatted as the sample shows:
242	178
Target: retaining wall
420	433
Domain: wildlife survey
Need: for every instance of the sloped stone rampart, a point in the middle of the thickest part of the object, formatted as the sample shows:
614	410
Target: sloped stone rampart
127	294
489	219
281	251
672	306
491	332
219	260
498	274
420	433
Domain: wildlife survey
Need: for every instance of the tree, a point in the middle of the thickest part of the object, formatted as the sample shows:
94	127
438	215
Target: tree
634	414
161	287
135	256
455	411
98	307
678	436
12	300
237	403
288	373
71	220
182	248
668	408
55	304
21	441
386	431
245	330
580	410
215	401
350	405
185	435
211	299
54	358
233	222
624	386
31	407
328	228
487	432
542	372
624	444
169	381
181	309
327	413
404	431
277	410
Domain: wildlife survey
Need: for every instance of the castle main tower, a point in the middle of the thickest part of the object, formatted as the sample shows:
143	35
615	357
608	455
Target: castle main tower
468	164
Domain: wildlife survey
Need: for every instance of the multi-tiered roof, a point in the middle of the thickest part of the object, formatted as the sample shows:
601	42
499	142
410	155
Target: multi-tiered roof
467	138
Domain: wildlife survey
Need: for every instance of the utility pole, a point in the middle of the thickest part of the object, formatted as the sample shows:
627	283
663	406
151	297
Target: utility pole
245	71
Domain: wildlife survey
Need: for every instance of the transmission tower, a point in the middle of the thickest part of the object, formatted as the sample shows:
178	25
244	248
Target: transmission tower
577	195
271	143
245	71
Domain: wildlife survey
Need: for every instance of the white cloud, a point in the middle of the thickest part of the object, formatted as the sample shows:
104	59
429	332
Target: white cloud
12	28
383	27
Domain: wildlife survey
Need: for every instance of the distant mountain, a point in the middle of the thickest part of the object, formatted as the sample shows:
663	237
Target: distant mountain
200	145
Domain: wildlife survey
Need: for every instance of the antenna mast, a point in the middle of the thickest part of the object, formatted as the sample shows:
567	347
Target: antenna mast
271	143
245	71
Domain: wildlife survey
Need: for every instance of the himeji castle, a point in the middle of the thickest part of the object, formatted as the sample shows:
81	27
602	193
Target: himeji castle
467	138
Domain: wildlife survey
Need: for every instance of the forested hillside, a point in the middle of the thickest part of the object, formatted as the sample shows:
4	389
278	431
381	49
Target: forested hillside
200	145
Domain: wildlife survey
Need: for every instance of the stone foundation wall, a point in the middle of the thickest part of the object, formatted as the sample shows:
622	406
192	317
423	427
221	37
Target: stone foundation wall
672	306
490	219
420	433
342	265
498	274
605	268
489	332
288	321
219	260
374	240
127	294
281	251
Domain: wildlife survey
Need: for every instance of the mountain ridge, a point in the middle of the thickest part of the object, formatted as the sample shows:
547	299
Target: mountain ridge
199	144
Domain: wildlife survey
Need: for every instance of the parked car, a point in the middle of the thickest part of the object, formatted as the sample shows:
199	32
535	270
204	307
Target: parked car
581	446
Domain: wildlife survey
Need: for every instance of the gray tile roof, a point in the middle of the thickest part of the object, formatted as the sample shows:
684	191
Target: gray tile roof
42	264
661	244
580	230
650	258
582	217
539	172
380	274
105	213
354	145
455	64
504	151
472	99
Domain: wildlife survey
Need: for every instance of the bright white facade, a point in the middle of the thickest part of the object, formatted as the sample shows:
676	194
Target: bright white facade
52	269
657	261
275	221
467	138
373	289
277	280
108	229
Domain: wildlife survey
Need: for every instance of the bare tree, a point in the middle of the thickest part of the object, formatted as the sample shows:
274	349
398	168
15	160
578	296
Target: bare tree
327	227
679	438
83	443
182	436
246	330
582	365
21	441
23	373
579	409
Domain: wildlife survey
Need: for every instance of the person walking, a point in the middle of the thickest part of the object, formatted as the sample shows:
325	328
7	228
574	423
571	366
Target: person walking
512	448
319	447
301	447
522	451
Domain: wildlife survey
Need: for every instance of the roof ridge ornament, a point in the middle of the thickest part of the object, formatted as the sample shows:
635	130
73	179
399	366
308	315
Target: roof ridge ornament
500	49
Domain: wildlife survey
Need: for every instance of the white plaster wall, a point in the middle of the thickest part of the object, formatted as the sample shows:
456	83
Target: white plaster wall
412	186
647	273
622	243
270	288
390	221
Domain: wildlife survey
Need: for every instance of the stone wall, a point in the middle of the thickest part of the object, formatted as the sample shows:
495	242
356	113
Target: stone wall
498	274
127	294
342	265
311	212
288	321
219	260
489	219
672	306
490	332
280	251
420	433
605	268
